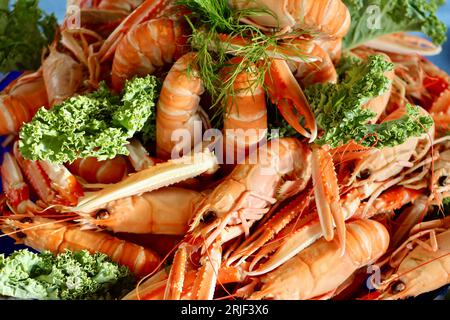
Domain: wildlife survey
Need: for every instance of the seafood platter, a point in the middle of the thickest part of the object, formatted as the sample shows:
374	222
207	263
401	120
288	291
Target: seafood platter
224	149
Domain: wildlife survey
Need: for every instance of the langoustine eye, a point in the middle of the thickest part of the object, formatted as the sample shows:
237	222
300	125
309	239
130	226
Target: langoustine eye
398	287
443	181
365	174
26	220
102	215
209	216
21	235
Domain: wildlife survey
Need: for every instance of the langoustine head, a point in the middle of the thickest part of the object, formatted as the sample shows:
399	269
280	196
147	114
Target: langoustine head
164	211
327	18
424	268
382	164
281	169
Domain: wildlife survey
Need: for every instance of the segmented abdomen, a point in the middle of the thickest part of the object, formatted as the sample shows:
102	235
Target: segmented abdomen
245	118
314	72
20	101
328	17
45	234
146	48
324	18
139	260
320	268
95	171
178	105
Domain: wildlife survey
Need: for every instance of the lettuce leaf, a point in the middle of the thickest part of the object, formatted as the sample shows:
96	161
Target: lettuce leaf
24	32
66	276
339	113
374	18
93	125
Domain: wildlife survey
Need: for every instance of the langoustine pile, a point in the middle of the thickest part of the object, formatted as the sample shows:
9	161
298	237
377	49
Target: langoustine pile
285	216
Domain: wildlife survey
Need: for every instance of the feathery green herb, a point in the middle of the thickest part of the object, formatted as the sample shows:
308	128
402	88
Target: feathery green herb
24	32
93	125
210	21
374	18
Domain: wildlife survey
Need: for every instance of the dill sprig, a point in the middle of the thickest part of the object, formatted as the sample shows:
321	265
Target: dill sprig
215	28
220	16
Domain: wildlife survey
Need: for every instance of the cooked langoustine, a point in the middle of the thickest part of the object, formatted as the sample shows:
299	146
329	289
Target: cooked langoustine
149	9
313	72
155	287
326	18
440	111
331	46
245	116
62	76
407	219
379	164
419	266
53	183
14	186
153	178
320	269
437	83
297	225
404	43
424	83
113	170
148	47
59	78
281	86
20	101
102	16
326	194
435	178
125	5
286	93
441	176
83	44
281	169
94	171
164	211
56	236
179	108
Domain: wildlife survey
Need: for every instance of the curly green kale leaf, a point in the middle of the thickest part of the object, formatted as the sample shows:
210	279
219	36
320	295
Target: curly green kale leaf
138	104
374	18
339	113
93	125
66	276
